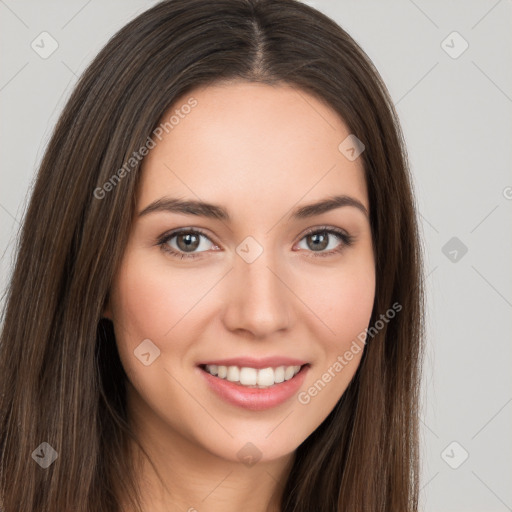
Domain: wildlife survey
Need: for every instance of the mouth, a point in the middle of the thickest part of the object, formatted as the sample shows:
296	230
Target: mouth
249	377
255	385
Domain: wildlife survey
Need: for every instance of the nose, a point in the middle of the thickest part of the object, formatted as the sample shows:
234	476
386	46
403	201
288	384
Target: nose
259	302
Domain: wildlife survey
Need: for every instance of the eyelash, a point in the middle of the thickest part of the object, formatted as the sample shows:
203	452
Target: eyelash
346	239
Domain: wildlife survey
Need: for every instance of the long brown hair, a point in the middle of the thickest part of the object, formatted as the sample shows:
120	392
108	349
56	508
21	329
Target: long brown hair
60	374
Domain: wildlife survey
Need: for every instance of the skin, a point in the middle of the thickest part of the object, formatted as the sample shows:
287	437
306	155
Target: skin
259	151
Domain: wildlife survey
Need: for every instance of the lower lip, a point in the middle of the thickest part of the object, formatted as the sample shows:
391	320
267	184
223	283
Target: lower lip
255	399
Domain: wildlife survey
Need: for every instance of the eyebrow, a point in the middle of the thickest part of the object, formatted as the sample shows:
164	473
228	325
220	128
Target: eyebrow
213	211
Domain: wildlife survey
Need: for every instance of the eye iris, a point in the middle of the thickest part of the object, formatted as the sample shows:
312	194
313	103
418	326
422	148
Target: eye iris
191	242
323	242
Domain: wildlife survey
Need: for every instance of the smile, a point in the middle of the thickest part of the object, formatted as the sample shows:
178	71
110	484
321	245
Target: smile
253	377
254	385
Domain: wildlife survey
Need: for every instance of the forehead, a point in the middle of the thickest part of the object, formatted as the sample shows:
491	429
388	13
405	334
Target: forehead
246	144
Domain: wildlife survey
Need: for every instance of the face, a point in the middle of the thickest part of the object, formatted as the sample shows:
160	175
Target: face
268	295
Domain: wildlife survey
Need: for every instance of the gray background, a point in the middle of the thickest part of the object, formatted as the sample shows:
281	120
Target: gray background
456	116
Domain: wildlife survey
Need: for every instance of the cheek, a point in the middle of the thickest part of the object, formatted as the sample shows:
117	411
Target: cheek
342	302
148	303
352	305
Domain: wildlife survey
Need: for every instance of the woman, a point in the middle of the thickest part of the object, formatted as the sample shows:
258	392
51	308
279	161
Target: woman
217	300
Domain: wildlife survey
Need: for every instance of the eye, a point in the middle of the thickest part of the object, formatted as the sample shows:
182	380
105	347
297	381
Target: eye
183	242
319	239
187	243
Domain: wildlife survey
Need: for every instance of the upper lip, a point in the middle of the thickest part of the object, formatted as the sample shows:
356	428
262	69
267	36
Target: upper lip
251	362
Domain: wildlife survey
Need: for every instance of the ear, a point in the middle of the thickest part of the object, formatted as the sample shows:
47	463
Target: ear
107	312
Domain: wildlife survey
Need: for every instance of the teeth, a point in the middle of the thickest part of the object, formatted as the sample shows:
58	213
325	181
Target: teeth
233	374
288	372
248	376
264	377
279	374
252	377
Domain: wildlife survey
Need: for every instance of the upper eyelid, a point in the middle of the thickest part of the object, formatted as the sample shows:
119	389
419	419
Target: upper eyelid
171	234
